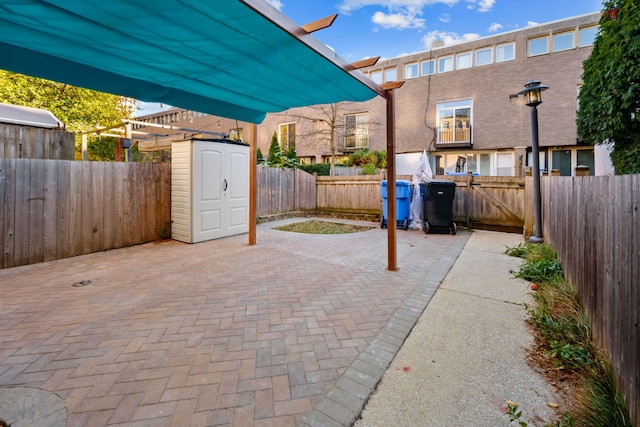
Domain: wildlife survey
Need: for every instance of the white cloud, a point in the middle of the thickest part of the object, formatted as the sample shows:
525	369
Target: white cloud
400	20
347	6
486	5
447	37
275	3
532	23
445	17
482	5
494	27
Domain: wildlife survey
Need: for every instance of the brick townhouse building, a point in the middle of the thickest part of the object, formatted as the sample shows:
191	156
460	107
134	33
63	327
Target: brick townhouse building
458	102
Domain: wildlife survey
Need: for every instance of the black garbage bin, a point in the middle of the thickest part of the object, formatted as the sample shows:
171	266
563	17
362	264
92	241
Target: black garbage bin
437	212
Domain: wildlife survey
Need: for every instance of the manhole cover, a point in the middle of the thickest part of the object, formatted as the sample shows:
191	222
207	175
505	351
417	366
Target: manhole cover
28	407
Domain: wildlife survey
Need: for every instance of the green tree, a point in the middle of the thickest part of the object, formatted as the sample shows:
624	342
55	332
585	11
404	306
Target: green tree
610	97
78	108
259	155
275	154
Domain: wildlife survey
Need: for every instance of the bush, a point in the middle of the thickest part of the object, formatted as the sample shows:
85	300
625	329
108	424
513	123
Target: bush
322	169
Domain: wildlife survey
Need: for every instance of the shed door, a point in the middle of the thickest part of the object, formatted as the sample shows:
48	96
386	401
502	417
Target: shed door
237	190
207	191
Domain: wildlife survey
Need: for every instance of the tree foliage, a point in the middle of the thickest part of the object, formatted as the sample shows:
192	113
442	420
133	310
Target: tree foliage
610	97
78	108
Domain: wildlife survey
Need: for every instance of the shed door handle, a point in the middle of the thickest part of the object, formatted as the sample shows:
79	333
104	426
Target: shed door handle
225	185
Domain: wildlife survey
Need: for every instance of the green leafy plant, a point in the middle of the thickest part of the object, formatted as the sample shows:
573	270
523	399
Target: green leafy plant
515	414
610	96
540	271
576	356
562	327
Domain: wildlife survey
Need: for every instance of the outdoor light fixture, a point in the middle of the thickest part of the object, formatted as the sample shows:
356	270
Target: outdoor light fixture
532	94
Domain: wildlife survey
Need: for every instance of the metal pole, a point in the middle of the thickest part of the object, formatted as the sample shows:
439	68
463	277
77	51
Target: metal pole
537	200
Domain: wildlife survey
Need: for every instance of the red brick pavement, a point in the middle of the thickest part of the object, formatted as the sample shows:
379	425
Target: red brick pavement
215	333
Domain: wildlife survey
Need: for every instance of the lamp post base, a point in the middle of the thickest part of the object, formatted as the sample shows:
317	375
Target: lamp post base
536	240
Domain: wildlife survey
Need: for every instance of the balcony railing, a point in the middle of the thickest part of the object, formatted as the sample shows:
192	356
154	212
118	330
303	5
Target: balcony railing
455	136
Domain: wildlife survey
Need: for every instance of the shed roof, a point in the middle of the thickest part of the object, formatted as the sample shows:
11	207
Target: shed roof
234	58
29	116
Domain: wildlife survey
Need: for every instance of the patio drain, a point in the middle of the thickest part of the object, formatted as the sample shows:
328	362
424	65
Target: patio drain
78	284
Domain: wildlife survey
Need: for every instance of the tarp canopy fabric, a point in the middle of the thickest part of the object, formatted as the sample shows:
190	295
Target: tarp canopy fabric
232	58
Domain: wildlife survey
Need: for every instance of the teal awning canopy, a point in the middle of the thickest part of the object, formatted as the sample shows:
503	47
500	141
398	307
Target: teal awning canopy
231	58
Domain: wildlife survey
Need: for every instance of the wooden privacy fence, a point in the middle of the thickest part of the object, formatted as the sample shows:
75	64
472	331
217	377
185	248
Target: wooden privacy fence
35	143
54	209
284	190
489	201
594	224
359	194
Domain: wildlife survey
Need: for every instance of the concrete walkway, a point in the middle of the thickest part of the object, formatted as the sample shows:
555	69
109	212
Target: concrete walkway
215	333
466	356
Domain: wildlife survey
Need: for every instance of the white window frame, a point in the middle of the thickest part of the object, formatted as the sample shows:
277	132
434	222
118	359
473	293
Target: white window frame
433	67
412	71
376	76
565	35
502	46
454	105
360	130
496	162
534	42
583	31
291	141
445	64
390	74
465	57
488	49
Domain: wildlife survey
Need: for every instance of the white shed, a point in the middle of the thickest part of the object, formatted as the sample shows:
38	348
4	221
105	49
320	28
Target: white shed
209	189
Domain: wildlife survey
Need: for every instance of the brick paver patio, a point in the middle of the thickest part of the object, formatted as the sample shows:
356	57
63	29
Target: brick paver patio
295	330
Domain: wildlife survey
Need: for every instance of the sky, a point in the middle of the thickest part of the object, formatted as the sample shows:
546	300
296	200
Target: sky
391	28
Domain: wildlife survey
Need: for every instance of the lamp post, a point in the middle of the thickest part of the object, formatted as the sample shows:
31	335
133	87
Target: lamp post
532	93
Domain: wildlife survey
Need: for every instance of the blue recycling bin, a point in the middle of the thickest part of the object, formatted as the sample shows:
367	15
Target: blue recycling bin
403	203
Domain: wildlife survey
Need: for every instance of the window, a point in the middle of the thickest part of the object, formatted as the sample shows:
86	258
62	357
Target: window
563	41
478	163
376	76
587	35
504	164
506	52
428	67
411	71
566	160
356	130
445	64
454	122
463	60
391	75
586	158
287	137
484	56
236	134
538	46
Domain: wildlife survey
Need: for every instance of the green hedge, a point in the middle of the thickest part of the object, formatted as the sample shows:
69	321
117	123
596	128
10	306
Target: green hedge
322	169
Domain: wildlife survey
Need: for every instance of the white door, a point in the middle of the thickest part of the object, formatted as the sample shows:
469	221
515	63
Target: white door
236	190
207	191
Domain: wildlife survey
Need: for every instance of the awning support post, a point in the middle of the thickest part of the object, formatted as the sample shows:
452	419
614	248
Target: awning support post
391	183
253	165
